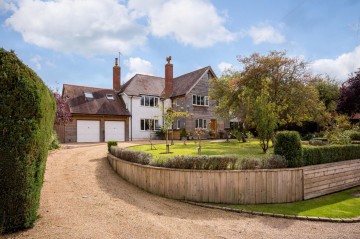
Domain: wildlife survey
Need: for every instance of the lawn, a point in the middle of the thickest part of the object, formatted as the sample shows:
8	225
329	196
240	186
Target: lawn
344	204
250	149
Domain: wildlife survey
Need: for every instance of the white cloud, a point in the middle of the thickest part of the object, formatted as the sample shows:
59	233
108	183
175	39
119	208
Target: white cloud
223	66
6	6
74	26
190	22
36	60
266	34
137	65
341	67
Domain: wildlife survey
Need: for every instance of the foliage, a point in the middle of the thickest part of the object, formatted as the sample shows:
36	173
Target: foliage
329	91
197	162
349	101
287	81
329	154
288	144
54	142
338	136
265	119
275	161
27	113
354	135
343	204
249	164
63	115
134	156
183	133
111	143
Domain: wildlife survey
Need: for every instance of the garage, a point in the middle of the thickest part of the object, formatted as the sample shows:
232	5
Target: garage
114	130
88	130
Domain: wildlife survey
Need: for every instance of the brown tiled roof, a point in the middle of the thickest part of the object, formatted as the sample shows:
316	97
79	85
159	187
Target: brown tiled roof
183	83
99	105
144	85
355	116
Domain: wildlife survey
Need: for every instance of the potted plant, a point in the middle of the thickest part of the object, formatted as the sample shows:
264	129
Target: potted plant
183	134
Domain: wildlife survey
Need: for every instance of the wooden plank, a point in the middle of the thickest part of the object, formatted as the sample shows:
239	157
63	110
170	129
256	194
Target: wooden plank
167	188
335	177
223	187
205	186
235	183
211	186
161	186
260	184
182	188
188	185
252	186
241	187
330	183
217	187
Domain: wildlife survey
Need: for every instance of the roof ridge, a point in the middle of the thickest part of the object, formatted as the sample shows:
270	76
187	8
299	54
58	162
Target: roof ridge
192	72
89	87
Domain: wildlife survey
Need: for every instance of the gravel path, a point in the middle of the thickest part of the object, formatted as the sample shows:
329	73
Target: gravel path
83	198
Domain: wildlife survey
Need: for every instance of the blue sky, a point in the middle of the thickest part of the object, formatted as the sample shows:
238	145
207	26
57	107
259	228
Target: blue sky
76	41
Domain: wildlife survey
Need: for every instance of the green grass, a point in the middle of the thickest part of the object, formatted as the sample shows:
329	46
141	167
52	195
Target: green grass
250	149
343	204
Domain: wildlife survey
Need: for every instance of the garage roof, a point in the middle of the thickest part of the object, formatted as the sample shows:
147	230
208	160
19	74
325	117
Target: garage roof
81	102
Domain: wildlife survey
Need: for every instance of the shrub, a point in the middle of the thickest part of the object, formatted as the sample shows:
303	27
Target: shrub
355	136
183	133
54	141
27	113
134	156
316	142
249	163
111	143
338	136
275	161
331	153
288	144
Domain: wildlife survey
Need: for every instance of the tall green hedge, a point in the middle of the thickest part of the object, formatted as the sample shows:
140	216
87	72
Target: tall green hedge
27	112
329	154
288	144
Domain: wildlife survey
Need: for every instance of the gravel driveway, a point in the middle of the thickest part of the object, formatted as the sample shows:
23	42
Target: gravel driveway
83	198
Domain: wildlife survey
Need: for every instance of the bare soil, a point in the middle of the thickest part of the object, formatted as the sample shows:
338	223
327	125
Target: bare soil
83	197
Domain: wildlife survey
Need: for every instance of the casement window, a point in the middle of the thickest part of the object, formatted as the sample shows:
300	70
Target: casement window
200	100
150	101
178	124
178	102
149	124
201	123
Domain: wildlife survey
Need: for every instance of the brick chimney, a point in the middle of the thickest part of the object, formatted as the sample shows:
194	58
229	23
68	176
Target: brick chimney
168	78
116	76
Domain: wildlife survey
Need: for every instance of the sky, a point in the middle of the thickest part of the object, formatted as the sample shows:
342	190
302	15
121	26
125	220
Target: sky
76	41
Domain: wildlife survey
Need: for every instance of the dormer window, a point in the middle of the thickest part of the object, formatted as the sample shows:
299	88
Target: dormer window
110	96
88	95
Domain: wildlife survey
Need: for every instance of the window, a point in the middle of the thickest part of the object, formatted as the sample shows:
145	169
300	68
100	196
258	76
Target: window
110	96
178	102
200	100
178	124
150	101
200	123
89	95
149	124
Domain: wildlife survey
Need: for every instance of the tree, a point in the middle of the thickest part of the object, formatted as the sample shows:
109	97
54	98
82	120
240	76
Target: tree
63	115
169	117
286	80
328	89
349	101
265	119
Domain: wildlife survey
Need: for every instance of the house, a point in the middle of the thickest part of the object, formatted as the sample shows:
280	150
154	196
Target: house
147	97
97	114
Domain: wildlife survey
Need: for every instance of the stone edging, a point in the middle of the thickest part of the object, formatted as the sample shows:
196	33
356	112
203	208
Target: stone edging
307	218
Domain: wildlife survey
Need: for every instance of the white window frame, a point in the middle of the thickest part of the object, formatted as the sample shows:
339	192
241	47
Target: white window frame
155	124
201	123
110	96
149	101
178	124
200	100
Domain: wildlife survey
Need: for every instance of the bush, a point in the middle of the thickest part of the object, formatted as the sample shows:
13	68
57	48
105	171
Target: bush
249	164
134	156
331	153
355	136
183	133
111	143
288	144
54	141
276	161
27	113
316	142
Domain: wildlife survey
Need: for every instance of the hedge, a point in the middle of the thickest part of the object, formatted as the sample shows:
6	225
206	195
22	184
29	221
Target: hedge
27	112
288	144
329	154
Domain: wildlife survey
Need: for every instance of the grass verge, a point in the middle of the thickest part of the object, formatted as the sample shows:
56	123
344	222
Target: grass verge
344	204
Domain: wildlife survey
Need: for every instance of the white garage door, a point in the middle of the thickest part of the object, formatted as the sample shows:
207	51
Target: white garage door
114	130
88	131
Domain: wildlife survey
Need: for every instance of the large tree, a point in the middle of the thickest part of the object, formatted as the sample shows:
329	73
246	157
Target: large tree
349	101
328	89
287	82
